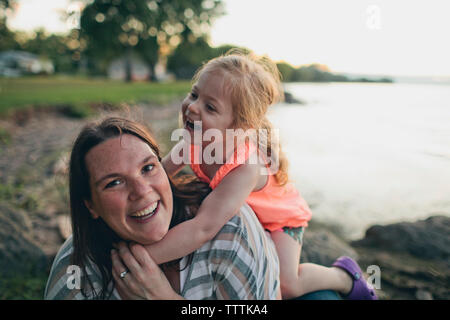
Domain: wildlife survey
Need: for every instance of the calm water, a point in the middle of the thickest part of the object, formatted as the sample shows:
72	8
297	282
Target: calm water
364	154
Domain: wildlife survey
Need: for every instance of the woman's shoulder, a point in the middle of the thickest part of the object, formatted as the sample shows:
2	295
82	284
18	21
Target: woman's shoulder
66	249
243	239
237	228
243	227
65	279
61	267
242	248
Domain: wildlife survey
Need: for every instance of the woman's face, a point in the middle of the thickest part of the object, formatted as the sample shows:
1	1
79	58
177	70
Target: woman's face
130	190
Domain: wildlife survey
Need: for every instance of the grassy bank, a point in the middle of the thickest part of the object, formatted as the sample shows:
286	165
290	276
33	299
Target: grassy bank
79	92
28	287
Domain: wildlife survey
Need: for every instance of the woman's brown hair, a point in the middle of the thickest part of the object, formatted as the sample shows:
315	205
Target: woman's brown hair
93	238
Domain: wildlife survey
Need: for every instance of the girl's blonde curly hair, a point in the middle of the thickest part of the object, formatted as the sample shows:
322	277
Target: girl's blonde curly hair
254	84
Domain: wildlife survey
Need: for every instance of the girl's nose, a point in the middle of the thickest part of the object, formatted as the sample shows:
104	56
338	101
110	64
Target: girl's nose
192	108
139	188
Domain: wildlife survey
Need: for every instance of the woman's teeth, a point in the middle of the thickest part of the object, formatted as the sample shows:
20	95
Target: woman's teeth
146	212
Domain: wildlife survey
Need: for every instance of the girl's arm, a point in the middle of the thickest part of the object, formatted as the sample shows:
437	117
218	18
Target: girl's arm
168	163
215	211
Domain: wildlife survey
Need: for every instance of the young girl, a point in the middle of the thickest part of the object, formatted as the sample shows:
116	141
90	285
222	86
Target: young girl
234	92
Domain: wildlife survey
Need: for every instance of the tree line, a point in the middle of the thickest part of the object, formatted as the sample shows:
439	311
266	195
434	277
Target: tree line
113	28
175	31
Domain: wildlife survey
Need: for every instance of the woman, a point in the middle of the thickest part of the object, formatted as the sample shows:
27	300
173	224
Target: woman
120	191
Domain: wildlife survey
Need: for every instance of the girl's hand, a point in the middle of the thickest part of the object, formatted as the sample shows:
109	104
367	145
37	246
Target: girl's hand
144	279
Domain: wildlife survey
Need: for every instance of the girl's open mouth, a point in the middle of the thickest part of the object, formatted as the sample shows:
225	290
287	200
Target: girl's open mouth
189	124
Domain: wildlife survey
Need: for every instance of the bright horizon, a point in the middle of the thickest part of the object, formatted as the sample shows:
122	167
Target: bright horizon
378	37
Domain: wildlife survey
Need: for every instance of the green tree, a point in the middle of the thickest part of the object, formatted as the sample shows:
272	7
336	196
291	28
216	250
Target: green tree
286	71
6	3
62	50
153	28
7	40
190	55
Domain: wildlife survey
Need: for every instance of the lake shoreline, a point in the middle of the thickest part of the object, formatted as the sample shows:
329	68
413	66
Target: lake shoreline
364	154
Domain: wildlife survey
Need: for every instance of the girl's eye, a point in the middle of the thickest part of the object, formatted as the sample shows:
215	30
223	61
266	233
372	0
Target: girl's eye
148	168
210	107
112	184
194	95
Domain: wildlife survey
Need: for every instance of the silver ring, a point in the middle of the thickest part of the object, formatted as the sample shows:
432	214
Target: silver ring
123	274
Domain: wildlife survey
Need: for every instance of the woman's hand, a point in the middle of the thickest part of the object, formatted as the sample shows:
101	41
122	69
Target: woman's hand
144	279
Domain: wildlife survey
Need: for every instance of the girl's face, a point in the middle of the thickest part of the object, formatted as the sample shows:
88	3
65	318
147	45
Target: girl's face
130	190
210	103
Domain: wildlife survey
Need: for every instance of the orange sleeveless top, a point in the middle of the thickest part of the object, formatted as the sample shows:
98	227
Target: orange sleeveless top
275	206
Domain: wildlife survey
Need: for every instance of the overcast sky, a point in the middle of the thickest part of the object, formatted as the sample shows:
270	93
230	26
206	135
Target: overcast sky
386	37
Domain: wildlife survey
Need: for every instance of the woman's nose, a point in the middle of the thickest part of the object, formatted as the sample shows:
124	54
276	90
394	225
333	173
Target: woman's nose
139	188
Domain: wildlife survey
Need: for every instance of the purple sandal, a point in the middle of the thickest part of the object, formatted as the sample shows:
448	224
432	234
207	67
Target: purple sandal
360	289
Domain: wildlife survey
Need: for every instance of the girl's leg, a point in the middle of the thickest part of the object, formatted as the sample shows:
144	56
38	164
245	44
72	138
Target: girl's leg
298	279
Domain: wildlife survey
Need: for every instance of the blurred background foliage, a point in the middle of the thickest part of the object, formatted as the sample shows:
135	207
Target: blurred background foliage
172	33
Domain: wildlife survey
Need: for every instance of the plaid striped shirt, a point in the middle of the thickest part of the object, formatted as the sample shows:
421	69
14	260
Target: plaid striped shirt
239	263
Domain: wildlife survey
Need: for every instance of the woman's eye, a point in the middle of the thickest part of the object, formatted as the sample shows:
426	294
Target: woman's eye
148	168
112	184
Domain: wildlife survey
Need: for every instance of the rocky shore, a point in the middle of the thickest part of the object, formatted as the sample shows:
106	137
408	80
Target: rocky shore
413	257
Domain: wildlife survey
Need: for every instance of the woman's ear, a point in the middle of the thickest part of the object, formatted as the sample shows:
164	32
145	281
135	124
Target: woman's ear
88	205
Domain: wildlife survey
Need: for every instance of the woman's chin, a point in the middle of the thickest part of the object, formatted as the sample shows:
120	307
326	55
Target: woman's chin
146	241
149	236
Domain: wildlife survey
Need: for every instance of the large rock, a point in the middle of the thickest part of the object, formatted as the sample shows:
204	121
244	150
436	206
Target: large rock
425	239
289	98
413	258
321	246
18	253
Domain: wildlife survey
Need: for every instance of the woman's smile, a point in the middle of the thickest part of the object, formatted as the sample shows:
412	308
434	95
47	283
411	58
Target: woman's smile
144	215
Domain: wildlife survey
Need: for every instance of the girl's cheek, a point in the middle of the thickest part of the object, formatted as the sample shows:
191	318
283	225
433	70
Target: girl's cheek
185	103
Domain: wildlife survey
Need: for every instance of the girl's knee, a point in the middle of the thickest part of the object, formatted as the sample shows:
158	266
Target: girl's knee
290	287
